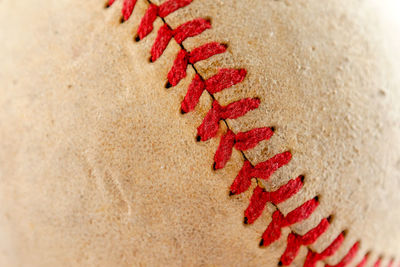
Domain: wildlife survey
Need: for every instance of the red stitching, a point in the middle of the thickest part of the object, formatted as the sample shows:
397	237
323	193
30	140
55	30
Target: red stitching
242	141
378	262
314	257
273	231
193	94
260	198
295	241
224	79
228	78
164	35
262	170
248	140
178	70
210	125
191	29
206	51
146	24
348	257
363	262
127	8
171	6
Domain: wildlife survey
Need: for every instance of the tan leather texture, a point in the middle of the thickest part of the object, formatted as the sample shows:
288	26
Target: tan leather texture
98	167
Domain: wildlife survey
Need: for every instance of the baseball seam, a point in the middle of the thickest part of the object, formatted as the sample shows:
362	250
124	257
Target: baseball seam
243	141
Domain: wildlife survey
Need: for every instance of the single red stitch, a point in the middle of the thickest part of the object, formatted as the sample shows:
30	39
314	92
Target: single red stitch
146	24
262	170
178	70
242	141
391	262
171	6
348	257
314	257
295	241
225	78
248	140
224	150
363	262
193	94
378	262
127	8
260	198
164	35
273	231
210	124
190	29
206	51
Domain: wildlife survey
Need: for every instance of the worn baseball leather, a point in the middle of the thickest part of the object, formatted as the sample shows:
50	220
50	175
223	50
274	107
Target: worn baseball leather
98	167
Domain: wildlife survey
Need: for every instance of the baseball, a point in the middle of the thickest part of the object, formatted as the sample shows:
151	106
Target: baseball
199	133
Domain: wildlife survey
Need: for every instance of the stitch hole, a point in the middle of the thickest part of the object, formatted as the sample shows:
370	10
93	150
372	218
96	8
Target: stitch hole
345	232
183	112
272	128
214	166
280	263
317	198
198	138
106	5
302	178
330	219
168	85
137	38
121	20
208	19
151	60
245	220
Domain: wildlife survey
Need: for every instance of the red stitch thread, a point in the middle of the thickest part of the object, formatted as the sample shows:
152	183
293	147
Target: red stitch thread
193	94
190	29
225	78
262	170
378	262
164	35
206	51
260	198
146	24
295	241
242	141
363	262
249	140
273	231
348	257
127	8
171	6
314	257
178	70
224	150
210	124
